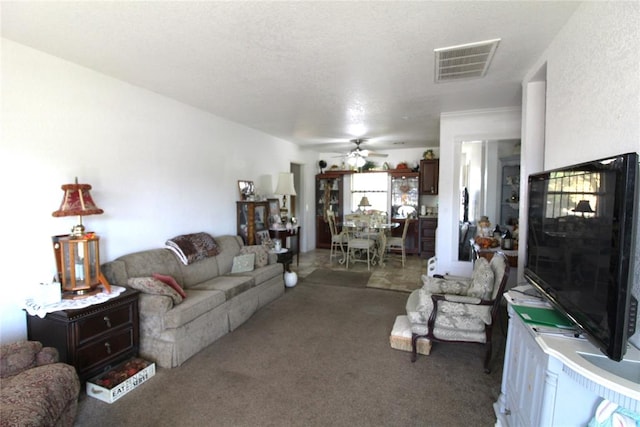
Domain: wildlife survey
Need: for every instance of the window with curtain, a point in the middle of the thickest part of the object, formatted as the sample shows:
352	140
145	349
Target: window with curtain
373	185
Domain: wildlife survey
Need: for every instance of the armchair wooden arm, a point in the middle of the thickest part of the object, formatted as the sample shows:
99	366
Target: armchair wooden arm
475	323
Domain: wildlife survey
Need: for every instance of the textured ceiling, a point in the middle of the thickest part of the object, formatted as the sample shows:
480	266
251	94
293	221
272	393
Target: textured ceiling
314	73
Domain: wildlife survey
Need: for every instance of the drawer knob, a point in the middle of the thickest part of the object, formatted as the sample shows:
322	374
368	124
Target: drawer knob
107	346
107	321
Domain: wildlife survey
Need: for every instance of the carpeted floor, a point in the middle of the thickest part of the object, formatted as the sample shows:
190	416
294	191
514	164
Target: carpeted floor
351	279
317	356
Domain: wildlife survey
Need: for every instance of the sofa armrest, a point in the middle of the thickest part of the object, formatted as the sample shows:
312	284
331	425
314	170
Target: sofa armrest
46	356
273	258
152	309
22	355
154	304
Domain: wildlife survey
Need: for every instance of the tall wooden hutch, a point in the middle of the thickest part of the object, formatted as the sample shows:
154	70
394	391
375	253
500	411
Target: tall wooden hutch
329	196
251	217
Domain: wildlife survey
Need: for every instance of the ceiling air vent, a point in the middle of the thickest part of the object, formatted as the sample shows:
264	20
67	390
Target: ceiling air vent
464	61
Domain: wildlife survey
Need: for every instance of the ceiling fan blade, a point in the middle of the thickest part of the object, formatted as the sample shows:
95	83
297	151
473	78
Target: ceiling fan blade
374	154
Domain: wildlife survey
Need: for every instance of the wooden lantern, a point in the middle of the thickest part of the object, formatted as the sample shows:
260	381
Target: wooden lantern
78	263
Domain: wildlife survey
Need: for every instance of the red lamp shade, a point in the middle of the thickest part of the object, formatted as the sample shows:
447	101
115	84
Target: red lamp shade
77	201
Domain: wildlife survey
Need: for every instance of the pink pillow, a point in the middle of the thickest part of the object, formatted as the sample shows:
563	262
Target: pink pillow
168	280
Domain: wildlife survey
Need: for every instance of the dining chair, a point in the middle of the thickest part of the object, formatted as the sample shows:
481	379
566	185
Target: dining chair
338	239
398	243
359	243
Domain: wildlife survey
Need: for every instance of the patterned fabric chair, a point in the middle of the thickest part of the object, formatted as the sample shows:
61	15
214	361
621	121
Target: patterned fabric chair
459	309
34	389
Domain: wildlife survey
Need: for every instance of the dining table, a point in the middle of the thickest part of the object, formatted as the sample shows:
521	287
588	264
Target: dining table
373	230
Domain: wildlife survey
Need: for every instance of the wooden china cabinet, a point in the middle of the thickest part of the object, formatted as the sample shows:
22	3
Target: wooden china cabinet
329	196
251	217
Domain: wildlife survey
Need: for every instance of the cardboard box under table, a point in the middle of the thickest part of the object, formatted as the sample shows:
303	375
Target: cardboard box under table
112	385
401	337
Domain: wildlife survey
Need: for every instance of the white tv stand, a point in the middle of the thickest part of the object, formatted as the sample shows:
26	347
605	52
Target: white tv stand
547	382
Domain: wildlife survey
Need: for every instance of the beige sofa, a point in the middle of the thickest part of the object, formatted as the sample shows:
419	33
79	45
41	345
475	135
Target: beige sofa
217	301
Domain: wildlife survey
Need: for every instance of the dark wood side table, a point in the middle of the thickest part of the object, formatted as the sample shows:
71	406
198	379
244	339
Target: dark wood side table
294	234
92	339
286	259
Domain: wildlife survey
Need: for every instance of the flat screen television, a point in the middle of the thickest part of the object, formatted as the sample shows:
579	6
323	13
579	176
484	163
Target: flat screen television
580	246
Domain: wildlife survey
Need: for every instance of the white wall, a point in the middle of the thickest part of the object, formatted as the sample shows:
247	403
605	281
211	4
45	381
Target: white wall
456	127
158	168
593	85
593	92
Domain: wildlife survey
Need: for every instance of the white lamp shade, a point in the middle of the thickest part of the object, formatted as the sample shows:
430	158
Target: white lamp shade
285	184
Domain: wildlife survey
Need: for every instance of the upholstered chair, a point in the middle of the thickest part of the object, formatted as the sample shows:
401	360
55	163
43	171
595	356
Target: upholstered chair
35	390
459	309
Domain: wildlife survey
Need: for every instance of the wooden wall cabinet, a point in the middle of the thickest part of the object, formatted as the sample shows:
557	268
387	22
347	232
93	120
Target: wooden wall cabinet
329	196
252	217
428	237
429	173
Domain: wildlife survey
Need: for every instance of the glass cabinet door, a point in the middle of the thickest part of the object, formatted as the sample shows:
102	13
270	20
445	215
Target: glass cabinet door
404	196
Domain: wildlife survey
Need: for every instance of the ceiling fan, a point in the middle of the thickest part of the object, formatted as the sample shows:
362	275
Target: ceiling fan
357	156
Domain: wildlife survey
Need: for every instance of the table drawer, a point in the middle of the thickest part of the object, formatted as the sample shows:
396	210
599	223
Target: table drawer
111	346
92	326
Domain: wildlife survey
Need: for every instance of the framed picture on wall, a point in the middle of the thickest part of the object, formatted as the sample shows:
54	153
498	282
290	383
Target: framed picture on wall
247	190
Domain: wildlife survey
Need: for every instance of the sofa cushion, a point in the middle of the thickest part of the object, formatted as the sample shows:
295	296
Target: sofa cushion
261	252
231	285
262	274
242	263
170	281
229	248
199	271
195	305
149	285
481	280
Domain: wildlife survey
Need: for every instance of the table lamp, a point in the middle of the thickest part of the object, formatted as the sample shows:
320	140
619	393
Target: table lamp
78	254
583	206
285	188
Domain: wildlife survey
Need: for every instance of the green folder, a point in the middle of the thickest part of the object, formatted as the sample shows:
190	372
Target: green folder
543	316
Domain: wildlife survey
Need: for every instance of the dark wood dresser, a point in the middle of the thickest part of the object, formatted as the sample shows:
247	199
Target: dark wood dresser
92	339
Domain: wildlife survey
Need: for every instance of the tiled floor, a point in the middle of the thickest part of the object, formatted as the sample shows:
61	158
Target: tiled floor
390	276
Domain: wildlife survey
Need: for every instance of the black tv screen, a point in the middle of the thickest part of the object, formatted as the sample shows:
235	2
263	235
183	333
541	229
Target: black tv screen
580	246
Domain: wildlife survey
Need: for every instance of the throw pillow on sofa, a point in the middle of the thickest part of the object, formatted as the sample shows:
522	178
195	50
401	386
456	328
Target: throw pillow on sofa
149	285
242	263
262	254
169	280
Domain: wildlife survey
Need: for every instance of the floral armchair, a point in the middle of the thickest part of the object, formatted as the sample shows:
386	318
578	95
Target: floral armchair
34	389
459	309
